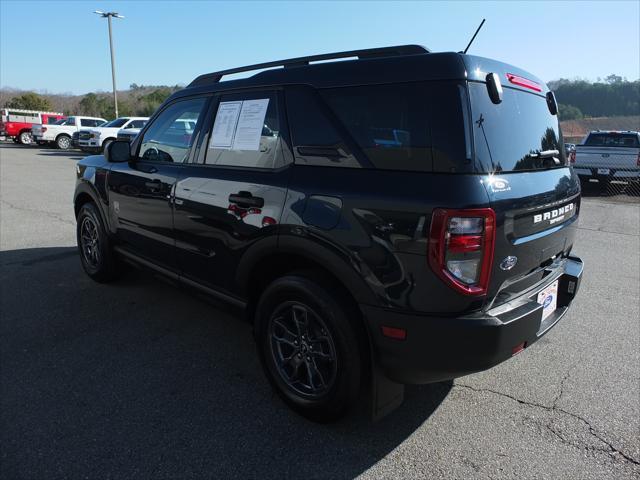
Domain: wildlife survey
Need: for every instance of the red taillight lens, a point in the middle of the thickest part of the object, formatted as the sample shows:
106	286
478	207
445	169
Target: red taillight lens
461	244
572	157
43	129
523	82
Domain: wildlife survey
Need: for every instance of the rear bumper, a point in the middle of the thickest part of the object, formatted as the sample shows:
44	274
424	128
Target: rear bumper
613	173
440	348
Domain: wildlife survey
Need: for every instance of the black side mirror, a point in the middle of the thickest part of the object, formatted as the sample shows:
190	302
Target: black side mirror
552	103
118	151
494	87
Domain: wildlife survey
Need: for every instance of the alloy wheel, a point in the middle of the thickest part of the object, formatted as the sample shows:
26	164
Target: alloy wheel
90	242
302	349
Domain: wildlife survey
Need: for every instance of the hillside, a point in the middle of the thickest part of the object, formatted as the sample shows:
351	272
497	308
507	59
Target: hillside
575	130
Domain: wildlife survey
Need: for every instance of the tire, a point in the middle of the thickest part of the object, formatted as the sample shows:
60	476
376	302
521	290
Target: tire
63	142
25	138
96	253
308	347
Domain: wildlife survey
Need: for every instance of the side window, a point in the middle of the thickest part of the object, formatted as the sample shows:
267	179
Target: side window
87	122
315	140
167	139
52	120
137	124
246	132
388	122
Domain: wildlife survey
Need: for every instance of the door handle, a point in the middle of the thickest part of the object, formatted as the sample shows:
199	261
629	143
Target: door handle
153	185
246	200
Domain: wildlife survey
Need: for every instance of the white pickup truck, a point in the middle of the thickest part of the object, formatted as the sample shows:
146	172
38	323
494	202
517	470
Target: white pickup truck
608	155
61	131
99	138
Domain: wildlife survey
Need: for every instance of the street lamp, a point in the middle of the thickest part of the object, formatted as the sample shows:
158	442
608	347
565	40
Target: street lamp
108	16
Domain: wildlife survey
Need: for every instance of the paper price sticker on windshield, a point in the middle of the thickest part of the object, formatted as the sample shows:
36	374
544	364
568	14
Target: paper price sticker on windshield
238	125
224	127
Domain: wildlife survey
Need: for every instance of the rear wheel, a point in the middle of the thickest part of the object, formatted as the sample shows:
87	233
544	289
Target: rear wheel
308	347
25	138
63	142
96	252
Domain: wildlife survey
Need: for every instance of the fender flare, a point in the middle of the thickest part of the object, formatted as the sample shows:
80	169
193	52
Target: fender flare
329	257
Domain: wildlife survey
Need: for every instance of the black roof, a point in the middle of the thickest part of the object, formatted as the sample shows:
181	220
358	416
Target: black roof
403	63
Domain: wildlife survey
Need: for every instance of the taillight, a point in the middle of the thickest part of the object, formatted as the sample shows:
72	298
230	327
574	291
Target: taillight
461	244
572	157
43	129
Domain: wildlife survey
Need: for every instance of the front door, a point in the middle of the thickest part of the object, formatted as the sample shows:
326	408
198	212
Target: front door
140	192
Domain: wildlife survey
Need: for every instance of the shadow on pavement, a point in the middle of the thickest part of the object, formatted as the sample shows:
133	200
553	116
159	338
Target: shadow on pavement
139	378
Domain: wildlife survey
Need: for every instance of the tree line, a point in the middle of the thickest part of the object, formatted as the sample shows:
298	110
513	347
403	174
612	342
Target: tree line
609	97
139	100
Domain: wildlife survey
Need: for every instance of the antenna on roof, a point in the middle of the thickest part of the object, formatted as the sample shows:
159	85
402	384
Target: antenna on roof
474	36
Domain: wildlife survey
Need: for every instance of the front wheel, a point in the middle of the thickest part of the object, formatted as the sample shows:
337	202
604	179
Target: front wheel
96	253
308	347
63	142
25	138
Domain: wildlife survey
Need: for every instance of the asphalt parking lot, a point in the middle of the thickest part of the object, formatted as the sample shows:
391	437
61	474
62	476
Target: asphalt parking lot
139	379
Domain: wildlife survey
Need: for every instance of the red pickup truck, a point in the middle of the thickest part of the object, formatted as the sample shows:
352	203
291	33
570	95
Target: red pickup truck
16	123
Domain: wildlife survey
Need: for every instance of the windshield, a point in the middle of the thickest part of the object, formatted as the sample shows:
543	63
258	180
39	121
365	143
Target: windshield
118	122
509	136
612	139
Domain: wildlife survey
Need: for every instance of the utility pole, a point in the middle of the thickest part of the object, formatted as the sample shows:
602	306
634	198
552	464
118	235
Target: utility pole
108	16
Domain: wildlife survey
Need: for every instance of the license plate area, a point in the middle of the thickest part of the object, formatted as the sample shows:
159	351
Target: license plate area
548	298
603	171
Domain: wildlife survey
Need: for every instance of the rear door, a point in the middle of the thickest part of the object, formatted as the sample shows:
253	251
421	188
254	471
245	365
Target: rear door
233	197
533	191
140	192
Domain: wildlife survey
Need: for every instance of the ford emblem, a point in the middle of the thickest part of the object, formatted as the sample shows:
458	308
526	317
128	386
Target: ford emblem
508	263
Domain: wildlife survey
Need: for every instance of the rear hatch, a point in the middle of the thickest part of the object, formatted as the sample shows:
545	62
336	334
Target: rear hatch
534	193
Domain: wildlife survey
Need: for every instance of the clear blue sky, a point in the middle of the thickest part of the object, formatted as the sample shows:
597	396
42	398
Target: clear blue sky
62	47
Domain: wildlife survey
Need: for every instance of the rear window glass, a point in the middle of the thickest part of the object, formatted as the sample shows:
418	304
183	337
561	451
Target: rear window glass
413	126
507	136
612	140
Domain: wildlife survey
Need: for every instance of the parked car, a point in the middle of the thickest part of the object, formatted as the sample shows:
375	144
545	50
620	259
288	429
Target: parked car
76	135
608	155
99	138
441	252
60	132
16	123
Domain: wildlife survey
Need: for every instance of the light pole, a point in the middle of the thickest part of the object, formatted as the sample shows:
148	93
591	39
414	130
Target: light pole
108	16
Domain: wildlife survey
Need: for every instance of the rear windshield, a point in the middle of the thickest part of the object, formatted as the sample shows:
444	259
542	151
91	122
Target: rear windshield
612	139
411	126
509	135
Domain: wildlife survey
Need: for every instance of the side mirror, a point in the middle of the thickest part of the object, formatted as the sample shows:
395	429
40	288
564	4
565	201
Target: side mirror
552	103
118	151
494	87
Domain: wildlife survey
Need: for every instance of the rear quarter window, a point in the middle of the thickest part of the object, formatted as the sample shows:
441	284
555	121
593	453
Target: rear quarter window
411	126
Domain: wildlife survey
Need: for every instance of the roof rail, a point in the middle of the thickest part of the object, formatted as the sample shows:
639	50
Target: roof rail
301	61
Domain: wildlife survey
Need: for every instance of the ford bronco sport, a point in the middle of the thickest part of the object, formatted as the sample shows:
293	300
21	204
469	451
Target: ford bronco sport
397	217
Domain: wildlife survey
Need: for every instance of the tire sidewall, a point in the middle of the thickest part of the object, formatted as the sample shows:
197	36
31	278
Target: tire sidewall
349	367
104	269
27	135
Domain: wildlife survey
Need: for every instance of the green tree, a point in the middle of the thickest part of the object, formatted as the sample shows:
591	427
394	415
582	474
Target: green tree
569	112
151	101
30	101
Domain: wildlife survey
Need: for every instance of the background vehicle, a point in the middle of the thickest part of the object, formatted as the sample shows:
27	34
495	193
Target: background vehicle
17	124
98	138
608	155
416	238
60	132
76	135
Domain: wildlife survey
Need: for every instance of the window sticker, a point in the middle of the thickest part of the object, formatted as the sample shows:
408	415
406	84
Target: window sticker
224	126
238	125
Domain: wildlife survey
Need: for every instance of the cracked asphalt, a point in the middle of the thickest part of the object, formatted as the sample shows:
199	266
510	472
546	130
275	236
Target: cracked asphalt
140	379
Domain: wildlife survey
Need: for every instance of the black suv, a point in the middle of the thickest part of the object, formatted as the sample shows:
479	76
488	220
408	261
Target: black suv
396	217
